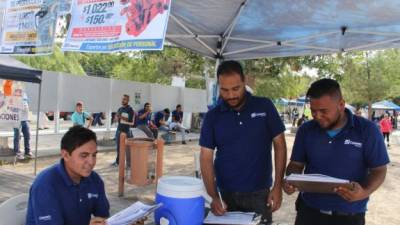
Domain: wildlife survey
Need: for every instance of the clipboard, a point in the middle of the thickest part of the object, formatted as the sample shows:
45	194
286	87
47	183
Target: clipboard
317	183
233	218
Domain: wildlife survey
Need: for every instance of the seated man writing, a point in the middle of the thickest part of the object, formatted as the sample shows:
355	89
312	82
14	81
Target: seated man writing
70	192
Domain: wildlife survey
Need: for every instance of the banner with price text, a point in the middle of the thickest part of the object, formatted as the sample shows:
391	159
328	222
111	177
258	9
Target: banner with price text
117	25
29	27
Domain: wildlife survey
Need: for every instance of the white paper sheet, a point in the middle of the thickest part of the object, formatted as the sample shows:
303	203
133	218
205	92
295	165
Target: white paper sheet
233	218
315	178
132	214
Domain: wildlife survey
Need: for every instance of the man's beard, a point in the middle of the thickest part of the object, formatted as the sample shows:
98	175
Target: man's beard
335	122
239	99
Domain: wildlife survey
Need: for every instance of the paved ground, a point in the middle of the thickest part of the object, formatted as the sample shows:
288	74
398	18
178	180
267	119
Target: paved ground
179	160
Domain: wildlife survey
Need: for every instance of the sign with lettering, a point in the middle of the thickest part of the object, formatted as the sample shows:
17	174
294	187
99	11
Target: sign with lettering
29	27
117	25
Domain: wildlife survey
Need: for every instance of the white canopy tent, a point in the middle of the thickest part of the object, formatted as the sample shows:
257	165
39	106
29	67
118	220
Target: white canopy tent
248	29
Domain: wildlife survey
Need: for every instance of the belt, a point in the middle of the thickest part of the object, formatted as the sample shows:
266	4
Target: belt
327	212
338	213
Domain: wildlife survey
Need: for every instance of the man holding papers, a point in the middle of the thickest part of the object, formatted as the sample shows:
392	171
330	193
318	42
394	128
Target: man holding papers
242	129
70	192
337	144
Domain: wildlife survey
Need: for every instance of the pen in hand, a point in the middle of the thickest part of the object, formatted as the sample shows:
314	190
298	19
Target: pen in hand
220	198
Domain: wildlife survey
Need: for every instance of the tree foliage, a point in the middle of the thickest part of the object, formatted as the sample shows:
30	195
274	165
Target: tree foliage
58	61
274	77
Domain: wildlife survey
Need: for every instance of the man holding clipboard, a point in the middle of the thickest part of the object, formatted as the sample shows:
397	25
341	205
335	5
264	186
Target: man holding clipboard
341	145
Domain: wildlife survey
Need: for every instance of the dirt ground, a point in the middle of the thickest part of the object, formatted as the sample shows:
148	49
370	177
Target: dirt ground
383	207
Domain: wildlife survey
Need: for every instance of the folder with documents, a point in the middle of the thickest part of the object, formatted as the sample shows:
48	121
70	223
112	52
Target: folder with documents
233	218
132	214
317	183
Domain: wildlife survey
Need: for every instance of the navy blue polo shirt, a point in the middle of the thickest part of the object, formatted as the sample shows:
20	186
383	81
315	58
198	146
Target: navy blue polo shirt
125	111
158	117
348	155
55	199
243	140
144	121
177	116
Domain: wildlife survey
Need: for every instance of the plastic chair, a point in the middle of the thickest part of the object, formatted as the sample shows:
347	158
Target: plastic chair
13	210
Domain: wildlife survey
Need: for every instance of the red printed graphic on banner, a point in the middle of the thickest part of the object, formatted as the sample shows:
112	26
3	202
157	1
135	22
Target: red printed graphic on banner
141	12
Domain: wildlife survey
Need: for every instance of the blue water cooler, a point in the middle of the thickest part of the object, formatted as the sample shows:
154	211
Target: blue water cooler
182	199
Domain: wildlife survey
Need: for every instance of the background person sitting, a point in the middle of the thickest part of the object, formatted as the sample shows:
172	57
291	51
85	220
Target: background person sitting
79	117
161	119
176	124
144	122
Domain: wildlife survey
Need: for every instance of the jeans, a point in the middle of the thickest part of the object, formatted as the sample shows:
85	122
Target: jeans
163	128
27	136
97	119
249	202
150	133
128	153
178	127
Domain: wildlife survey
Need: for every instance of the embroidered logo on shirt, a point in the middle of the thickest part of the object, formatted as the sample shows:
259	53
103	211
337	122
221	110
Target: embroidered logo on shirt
355	144
254	115
45	218
90	195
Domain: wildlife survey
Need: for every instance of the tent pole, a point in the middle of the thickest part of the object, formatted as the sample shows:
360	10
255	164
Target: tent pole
195	35
228	31
217	62
37	129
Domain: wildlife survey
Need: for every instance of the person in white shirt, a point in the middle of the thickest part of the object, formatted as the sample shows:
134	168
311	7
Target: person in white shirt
23	126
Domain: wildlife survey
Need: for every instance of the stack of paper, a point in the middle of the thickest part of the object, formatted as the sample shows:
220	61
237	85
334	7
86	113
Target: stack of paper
126	116
132	214
233	218
318	183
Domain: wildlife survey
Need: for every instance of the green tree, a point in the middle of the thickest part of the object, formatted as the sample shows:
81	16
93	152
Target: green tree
67	62
365	79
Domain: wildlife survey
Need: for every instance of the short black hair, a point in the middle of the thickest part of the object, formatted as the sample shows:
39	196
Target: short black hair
178	106
323	87
166	110
146	104
125	95
229	67
75	137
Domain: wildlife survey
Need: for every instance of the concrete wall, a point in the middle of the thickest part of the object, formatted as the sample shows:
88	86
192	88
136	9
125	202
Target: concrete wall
61	91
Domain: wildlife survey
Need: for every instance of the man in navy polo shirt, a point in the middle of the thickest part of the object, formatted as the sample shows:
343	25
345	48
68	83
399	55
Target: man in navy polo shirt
176	124
70	192
161	118
144	122
126	119
242	129
338	144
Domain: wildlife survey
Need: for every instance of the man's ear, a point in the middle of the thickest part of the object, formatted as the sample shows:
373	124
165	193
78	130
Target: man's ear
342	104
64	154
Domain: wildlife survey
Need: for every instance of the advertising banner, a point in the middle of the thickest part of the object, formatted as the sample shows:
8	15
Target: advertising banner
29	26
117	25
